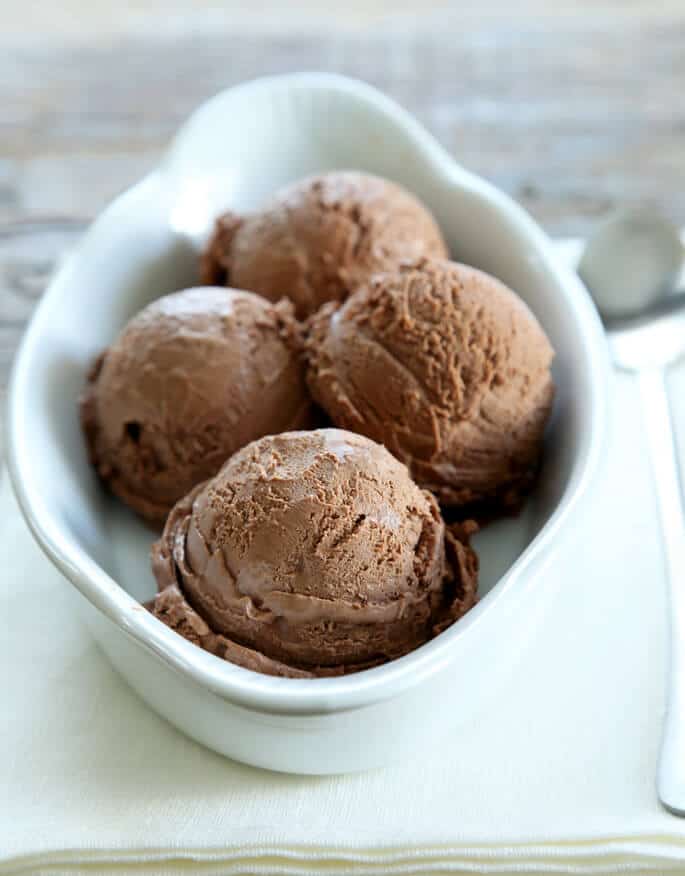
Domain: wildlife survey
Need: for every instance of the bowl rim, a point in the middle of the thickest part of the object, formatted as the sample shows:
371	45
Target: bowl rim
324	695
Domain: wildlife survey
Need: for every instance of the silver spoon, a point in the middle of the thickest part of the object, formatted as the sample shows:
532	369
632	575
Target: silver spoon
631	268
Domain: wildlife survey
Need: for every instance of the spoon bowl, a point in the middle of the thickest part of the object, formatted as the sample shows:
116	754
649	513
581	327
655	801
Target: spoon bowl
632	263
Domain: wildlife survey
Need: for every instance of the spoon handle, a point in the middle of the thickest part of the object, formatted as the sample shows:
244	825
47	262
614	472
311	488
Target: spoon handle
661	438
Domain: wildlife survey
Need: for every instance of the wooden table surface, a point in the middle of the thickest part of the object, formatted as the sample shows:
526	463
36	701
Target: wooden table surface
573	107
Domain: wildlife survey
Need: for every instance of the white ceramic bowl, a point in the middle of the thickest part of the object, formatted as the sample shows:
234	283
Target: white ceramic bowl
235	150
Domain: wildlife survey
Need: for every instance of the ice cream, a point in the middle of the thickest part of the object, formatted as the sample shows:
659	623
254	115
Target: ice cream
192	378
447	368
310	553
319	238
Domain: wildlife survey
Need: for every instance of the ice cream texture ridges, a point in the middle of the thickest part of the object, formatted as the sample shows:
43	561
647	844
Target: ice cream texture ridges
445	366
319	238
193	377
311	553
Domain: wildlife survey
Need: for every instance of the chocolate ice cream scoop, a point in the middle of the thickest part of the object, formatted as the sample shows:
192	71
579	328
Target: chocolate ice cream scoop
446	367
192	378
319	238
310	553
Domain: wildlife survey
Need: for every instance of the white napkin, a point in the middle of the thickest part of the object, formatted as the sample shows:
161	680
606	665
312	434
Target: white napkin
556	776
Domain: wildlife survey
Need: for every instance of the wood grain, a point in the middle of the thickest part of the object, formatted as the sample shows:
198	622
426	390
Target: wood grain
572	112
